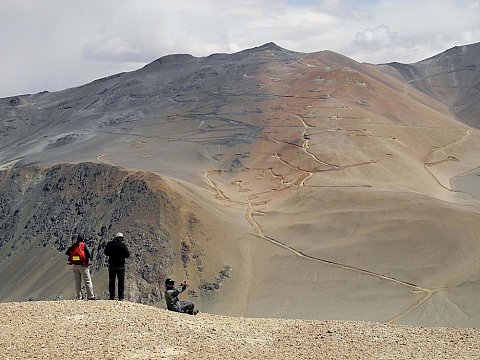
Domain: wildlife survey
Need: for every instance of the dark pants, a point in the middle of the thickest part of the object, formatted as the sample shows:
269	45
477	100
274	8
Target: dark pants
186	307
120	274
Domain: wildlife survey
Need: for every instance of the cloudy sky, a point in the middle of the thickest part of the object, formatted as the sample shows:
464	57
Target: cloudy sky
55	44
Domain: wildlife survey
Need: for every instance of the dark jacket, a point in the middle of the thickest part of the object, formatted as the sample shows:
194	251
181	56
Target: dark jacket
117	252
171	298
85	249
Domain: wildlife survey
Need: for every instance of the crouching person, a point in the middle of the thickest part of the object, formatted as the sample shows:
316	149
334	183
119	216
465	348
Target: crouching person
171	298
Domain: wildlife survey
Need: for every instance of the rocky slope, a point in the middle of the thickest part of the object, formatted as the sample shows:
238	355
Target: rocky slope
453	77
43	208
113	330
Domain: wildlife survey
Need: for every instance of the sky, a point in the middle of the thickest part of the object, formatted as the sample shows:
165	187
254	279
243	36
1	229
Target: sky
56	44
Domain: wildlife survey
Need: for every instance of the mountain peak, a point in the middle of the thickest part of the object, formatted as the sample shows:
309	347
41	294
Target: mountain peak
459	50
174	58
270	46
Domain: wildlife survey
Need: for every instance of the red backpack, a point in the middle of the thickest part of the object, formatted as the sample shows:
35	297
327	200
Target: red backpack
77	256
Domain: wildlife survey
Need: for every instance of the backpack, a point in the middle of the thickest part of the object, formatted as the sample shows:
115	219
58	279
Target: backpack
77	256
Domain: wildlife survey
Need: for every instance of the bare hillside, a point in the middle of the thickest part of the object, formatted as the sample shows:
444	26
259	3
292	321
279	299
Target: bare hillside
44	207
453	77
271	173
114	330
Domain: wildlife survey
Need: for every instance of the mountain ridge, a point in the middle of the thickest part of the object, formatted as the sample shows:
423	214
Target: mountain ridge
298	173
452	77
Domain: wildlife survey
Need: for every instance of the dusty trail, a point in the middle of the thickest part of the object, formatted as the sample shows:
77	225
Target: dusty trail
219	194
415	305
448	158
305	145
282	179
99	158
304	123
415	288
305	172
425	164
334	167
259	233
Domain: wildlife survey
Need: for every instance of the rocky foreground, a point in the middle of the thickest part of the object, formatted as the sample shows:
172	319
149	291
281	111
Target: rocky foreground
123	330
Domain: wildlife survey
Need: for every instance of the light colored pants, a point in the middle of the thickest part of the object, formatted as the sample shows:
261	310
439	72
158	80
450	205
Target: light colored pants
80	271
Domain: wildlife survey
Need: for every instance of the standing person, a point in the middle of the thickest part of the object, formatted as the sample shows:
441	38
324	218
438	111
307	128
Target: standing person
171	298
79	257
117	252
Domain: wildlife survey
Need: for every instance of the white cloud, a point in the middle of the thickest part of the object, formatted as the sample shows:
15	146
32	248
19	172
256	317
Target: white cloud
377	42
112	49
52	44
428	27
376	38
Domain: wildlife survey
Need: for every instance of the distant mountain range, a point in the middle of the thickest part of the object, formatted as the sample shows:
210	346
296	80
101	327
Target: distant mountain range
280	184
452	77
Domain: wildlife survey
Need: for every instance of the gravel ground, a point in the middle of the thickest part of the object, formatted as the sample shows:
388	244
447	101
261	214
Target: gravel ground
123	330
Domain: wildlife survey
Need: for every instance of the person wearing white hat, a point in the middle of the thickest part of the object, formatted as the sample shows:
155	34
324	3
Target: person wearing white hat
117	252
